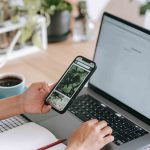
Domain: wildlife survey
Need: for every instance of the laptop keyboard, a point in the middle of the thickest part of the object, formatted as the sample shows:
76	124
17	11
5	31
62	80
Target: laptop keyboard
12	122
86	107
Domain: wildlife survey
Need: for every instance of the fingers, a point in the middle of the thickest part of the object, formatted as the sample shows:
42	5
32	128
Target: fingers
106	131
96	124
101	125
43	92
51	86
46	109
108	139
44	87
103	130
96	133
47	88
38	85
91	122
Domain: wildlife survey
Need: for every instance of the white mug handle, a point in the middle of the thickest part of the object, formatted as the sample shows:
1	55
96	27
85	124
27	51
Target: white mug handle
10	48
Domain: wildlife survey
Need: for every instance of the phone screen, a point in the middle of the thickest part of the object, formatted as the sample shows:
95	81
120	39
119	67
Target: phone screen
71	81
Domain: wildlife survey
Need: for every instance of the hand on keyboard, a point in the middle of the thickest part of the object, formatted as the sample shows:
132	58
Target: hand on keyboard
92	135
86	107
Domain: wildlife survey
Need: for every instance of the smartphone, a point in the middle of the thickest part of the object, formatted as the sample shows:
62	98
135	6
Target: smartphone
70	84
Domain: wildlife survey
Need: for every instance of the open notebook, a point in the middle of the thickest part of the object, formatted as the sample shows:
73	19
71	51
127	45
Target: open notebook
29	136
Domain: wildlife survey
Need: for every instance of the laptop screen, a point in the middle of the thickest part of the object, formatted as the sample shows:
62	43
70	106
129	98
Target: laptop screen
123	64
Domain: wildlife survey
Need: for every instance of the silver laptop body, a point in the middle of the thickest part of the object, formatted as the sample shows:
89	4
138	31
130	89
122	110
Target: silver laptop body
121	81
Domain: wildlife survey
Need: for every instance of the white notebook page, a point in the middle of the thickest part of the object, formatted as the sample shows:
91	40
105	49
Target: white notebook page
29	136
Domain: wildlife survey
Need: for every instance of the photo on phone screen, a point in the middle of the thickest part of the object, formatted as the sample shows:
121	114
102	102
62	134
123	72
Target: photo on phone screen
69	84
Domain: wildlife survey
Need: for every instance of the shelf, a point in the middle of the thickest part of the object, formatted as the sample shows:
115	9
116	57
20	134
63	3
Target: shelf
10	26
21	52
41	22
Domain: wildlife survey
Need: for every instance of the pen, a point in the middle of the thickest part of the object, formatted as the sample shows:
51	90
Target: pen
52	144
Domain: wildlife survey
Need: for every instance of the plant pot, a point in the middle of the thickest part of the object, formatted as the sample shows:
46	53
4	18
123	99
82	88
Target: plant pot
59	27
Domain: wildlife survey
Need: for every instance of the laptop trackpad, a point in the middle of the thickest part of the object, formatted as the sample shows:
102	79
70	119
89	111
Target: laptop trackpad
40	117
62	125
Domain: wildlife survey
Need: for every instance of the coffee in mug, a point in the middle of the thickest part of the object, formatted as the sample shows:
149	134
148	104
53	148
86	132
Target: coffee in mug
11	84
10	81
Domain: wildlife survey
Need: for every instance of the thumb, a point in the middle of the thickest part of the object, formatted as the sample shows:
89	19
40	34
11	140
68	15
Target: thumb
46	108
51	85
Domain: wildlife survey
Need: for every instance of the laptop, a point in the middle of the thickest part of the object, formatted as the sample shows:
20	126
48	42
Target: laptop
119	90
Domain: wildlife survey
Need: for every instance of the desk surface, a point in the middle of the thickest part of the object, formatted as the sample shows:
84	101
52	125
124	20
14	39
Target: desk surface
49	65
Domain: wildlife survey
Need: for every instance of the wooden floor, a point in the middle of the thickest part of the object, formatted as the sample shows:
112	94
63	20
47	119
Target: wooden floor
49	65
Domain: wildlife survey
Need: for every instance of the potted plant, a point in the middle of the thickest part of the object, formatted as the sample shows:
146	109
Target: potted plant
27	33
145	10
60	15
145	7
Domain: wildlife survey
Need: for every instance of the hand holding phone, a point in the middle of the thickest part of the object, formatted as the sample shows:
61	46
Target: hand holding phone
70	84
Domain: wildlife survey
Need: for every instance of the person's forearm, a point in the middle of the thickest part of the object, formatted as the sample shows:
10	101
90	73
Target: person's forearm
10	107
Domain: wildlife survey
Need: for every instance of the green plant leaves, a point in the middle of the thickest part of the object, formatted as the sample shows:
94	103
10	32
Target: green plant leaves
29	33
51	2
36	40
45	7
144	8
51	6
32	5
51	10
64	6
26	33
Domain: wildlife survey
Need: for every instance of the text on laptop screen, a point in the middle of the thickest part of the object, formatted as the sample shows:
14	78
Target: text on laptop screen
123	64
